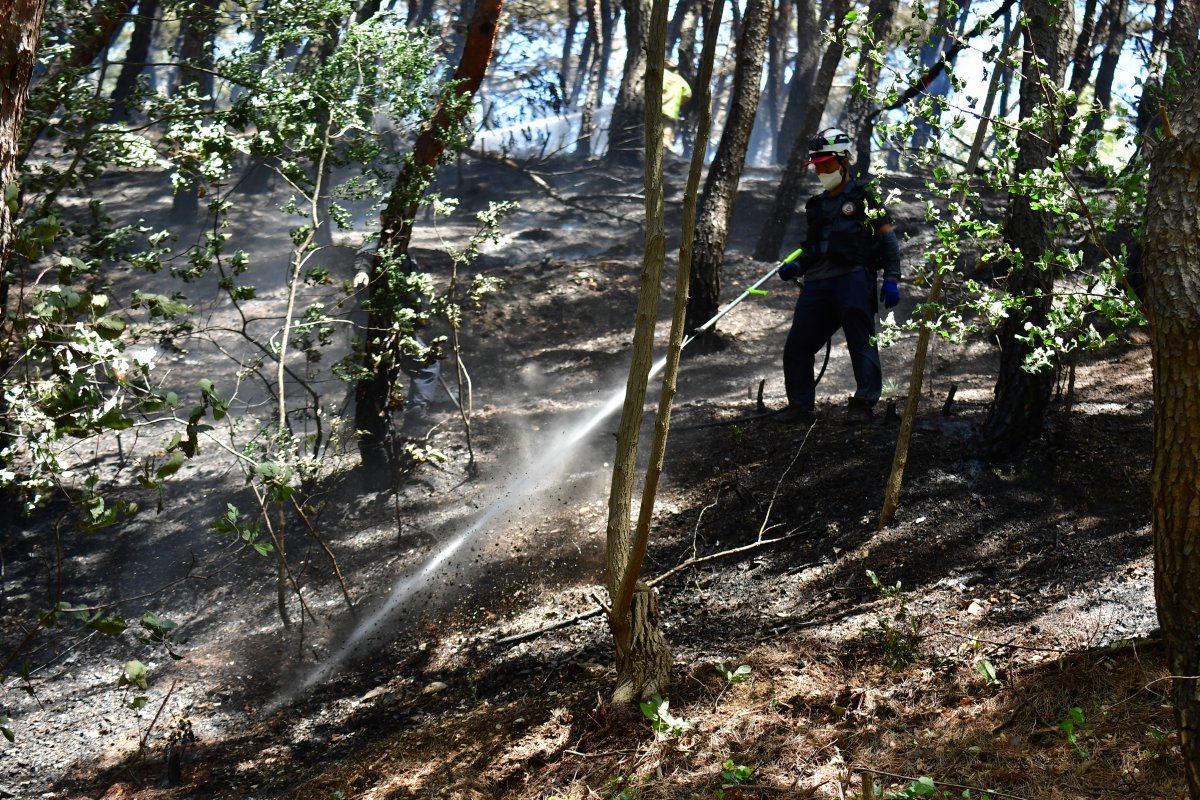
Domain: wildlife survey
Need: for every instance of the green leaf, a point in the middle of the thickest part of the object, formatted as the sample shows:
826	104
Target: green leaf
851	16
111	625
172	466
134	674
138	702
988	670
110	326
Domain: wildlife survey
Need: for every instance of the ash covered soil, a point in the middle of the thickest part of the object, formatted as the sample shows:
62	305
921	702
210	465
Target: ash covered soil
1021	581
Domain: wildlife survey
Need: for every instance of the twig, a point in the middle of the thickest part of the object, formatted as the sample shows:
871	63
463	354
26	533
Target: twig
601	608
774	494
161	706
337	570
992	792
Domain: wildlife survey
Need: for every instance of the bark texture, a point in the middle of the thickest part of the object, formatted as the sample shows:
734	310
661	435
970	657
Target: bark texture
791	186
376	396
1021	396
1172	272
720	187
643	656
18	51
625	146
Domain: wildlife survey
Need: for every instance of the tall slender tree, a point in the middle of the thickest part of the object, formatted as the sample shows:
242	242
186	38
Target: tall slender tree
804	67
1021	395
1172	272
376	394
1114	42
625	145
720	187
136	55
856	115
787	196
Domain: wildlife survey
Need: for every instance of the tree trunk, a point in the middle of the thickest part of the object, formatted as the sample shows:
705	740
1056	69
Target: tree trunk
19	42
720	188
1172	272
1179	37
1114	43
765	135
808	44
564	72
643	656
856	116
625	146
376	396
1081	65
687	69
195	39
94	35
138	53
792	183
584	148
1021	396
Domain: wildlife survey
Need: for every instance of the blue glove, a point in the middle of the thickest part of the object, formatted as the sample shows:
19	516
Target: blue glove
789	271
889	294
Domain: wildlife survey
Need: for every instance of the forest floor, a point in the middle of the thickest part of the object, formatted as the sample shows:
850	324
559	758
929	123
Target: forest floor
1002	650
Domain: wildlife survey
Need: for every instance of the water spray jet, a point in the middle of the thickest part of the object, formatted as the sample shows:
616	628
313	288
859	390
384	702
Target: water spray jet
520	487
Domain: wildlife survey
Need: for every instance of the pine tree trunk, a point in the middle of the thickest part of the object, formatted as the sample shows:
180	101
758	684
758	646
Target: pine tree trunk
376	396
1021	396
720	187
1082	62
584	148
625	146
1114	43
765	135
195	38
1172	272
92	38
808	56
138	53
564	72
856	115
791	185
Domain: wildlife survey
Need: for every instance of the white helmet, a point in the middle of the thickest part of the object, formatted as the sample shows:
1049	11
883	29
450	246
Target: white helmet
829	142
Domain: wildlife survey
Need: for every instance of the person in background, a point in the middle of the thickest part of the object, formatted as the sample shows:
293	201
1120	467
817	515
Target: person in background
676	92
849	238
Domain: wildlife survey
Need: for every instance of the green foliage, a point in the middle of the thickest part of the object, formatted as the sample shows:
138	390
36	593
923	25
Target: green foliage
926	787
664	723
896	636
735	774
739	675
987	669
1071	726
622	787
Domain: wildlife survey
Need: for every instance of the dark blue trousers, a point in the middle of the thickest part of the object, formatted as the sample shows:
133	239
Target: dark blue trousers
825	305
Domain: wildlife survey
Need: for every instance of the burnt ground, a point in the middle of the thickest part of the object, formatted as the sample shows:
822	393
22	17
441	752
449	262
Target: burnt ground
1037	567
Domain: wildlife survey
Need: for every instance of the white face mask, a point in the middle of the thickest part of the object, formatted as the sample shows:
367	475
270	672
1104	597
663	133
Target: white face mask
830	180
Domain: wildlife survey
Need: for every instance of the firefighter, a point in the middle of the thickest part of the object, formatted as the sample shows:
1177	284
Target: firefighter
849	240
